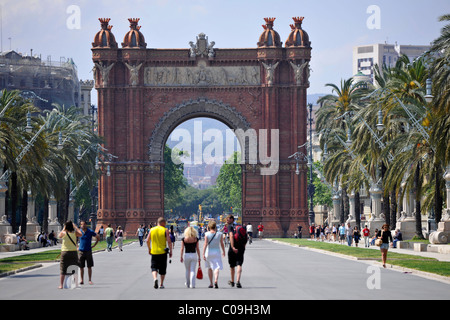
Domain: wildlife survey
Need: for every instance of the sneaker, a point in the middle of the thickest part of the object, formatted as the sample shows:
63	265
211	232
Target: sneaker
161	287
231	283
155	283
238	285
216	286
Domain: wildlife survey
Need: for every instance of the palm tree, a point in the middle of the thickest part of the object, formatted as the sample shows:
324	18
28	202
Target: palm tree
334	116
74	149
17	152
414	152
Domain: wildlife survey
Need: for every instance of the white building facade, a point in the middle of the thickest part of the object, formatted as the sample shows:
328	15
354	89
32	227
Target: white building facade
367	56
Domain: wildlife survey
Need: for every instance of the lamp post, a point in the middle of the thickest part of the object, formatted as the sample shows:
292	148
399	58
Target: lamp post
94	191
311	189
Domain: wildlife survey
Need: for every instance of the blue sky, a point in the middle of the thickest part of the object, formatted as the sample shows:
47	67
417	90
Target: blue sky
334	26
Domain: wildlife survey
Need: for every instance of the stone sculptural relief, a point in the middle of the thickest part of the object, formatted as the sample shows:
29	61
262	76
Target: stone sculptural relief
201	75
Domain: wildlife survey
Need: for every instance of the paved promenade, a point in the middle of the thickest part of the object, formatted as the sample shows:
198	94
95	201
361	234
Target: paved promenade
272	271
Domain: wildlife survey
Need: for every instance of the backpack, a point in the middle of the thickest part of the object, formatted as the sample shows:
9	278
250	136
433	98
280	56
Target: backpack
240	236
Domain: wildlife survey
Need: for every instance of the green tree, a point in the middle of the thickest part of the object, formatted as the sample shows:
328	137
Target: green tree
229	183
174	180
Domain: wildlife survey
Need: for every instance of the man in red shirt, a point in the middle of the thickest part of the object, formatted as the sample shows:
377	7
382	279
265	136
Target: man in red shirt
366	235
260	230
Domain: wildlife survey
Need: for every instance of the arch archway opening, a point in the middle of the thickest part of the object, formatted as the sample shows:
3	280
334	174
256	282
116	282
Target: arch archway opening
202	173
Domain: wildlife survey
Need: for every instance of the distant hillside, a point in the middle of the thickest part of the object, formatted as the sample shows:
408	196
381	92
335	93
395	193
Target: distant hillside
312	98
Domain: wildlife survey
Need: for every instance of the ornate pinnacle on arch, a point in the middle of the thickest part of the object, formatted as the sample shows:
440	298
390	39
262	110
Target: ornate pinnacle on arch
269	22
104	22
134	22
298	21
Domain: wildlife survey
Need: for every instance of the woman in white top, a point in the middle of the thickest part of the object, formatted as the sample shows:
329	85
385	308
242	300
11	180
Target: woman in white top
211	253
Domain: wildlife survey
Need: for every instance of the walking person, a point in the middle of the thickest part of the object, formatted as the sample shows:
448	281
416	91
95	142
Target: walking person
312	231
366	235
385	235
190	248
85	250
100	232
69	255
172	236
156	243
334	231
249	232
236	251
318	232
260	229
109	237
299	229
349	234
119	237
211	253
341	234
356	235
140	233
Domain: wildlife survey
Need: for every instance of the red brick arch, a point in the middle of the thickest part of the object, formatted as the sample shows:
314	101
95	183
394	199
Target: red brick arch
143	94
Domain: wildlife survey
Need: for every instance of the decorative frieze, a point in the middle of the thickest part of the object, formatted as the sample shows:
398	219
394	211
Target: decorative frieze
202	76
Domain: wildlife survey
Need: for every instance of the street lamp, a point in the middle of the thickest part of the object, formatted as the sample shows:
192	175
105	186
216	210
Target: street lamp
29	128
60	141
79	155
380	125
428	96
311	189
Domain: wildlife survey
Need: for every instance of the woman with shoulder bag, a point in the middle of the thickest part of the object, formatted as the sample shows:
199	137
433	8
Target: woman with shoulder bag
211	253
69	250
384	235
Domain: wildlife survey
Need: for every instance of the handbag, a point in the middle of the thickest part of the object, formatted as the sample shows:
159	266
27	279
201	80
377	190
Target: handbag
379	242
199	273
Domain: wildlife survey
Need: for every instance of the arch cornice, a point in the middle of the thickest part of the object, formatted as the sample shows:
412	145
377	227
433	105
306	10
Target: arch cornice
201	107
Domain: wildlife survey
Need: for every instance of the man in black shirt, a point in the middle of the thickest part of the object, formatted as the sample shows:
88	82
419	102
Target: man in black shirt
235	254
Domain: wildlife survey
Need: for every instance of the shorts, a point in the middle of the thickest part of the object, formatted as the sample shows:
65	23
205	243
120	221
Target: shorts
236	259
384	246
342	236
159	263
250	234
85	257
68	259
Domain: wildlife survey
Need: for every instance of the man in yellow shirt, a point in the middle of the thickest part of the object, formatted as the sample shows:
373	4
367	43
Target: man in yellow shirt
109	237
157	248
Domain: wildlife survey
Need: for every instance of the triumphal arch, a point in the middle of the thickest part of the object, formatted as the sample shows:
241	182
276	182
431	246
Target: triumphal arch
145	93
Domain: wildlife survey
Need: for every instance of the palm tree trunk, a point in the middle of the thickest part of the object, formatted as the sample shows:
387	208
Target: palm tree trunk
393	221
23	220
346	205
45	215
386	206
358	210
418	208
14	196
438	198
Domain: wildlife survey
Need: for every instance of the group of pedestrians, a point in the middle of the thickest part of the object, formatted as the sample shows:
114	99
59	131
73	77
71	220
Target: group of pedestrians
160	248
78	254
346	234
